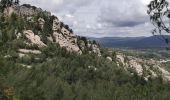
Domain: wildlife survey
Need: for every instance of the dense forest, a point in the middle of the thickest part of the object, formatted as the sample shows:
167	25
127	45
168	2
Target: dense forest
57	74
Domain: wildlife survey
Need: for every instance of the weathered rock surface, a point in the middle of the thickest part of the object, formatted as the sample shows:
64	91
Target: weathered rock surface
26	51
56	24
109	58
146	68
35	39
96	49
65	38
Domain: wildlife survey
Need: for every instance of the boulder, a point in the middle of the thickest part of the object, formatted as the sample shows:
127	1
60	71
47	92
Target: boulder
67	43
95	49
26	51
35	39
109	58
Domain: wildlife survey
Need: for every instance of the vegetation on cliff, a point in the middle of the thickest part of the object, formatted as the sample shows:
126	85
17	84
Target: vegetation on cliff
54	73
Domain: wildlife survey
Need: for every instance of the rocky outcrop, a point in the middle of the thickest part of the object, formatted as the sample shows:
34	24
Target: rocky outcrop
60	32
64	37
29	10
34	39
109	58
133	63
56	25
165	73
87	45
41	22
69	44
26	51
95	49
25	10
145	68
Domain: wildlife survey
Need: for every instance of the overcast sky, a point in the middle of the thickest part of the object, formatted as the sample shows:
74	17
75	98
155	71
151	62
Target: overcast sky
101	18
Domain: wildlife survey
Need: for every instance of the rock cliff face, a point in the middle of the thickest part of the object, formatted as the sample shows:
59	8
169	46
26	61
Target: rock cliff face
65	37
145	68
34	39
95	49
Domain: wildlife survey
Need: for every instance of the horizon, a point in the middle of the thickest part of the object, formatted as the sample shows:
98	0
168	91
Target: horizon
126	36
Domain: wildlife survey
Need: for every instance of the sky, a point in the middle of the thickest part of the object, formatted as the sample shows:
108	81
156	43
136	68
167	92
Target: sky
100	18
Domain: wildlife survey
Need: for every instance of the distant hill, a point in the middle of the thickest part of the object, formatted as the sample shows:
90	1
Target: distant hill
132	42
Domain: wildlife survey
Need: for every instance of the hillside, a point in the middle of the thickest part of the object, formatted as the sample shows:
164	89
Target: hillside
132	42
41	58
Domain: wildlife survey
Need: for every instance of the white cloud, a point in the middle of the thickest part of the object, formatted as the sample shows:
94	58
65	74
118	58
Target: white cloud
101	17
88	26
69	16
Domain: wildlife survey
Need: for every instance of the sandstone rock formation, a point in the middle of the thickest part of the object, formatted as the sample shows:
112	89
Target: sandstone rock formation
64	37
35	39
60	32
96	49
56	25
26	51
109	58
146	68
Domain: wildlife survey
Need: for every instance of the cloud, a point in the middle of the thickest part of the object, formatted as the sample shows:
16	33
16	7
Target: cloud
58	5
123	13
101	17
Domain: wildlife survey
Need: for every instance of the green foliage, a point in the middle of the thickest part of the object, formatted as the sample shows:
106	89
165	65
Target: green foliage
9	26
57	74
62	75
